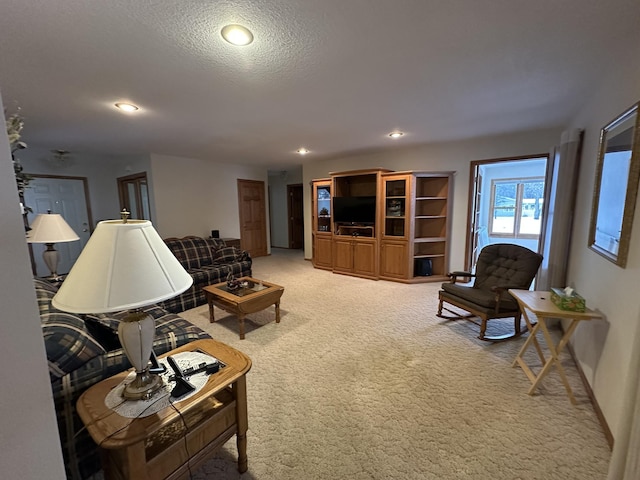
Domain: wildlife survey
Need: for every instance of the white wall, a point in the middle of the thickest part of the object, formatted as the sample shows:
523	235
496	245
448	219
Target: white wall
451	156
29	442
278	182
193	197
604	347
101	172
194	194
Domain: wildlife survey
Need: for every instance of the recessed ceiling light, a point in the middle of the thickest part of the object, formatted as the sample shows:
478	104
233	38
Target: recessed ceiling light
237	35
396	134
126	107
302	151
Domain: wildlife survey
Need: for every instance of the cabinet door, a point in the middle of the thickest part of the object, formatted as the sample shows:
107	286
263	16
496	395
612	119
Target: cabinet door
396	206
322	257
343	255
321	206
394	260
364	258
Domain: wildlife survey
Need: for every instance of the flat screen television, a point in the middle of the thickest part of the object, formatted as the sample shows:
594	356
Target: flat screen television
354	209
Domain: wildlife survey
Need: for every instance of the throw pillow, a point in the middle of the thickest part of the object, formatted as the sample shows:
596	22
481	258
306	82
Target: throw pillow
45	285
67	342
226	255
214	244
104	330
45	292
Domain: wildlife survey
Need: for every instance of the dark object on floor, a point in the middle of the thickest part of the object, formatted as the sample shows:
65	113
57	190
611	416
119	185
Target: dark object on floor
422	267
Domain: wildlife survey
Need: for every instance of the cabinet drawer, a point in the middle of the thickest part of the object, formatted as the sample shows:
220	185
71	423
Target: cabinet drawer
165	450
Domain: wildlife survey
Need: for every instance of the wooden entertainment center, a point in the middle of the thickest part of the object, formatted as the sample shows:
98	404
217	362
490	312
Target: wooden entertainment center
382	224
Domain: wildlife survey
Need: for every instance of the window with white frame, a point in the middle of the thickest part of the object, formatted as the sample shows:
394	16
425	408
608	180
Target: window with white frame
516	207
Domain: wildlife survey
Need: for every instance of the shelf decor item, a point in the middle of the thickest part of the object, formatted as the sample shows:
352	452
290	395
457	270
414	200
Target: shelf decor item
125	266
394	208
50	228
232	282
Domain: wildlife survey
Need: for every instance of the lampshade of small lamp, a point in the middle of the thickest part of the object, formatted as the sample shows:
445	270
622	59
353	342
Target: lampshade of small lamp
125	266
50	228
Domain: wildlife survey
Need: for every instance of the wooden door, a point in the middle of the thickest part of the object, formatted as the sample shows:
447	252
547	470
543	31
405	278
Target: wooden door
296	216
253	223
67	196
133	193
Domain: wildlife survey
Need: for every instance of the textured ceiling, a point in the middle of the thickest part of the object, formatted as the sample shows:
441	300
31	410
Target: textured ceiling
334	76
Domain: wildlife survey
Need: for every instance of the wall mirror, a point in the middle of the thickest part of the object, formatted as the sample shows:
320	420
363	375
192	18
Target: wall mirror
616	187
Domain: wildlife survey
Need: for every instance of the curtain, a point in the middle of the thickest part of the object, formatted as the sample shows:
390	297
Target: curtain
561	184
625	460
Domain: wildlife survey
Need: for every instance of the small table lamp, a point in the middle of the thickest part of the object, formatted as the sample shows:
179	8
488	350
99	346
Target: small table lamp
125	266
50	228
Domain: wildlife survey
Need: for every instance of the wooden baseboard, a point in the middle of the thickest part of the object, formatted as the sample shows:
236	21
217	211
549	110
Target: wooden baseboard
603	422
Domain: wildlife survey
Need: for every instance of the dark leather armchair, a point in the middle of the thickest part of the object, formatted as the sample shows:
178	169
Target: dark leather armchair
500	266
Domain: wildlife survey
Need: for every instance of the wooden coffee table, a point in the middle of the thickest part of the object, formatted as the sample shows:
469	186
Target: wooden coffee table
174	441
256	296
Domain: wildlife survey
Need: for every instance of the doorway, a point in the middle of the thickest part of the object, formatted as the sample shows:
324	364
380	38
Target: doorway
133	193
253	224
507	198
68	196
295	216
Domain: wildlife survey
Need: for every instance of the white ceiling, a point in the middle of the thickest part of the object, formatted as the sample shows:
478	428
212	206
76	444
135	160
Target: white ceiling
334	76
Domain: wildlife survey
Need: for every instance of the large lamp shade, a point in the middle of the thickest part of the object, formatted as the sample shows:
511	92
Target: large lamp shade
51	228
125	266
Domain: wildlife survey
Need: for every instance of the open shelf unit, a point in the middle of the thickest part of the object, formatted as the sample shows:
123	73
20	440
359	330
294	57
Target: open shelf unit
409	240
415	238
431	218
355	230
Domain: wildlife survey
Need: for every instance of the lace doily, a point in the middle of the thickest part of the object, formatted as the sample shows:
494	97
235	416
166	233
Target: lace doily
162	398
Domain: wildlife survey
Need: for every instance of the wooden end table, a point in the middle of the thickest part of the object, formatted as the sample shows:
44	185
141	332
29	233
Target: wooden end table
174	441
244	300
539	303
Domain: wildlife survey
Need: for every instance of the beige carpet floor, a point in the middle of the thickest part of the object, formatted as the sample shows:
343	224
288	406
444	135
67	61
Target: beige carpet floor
361	380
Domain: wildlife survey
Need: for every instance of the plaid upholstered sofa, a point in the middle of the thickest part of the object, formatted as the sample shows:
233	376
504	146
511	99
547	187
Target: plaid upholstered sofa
83	350
208	261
